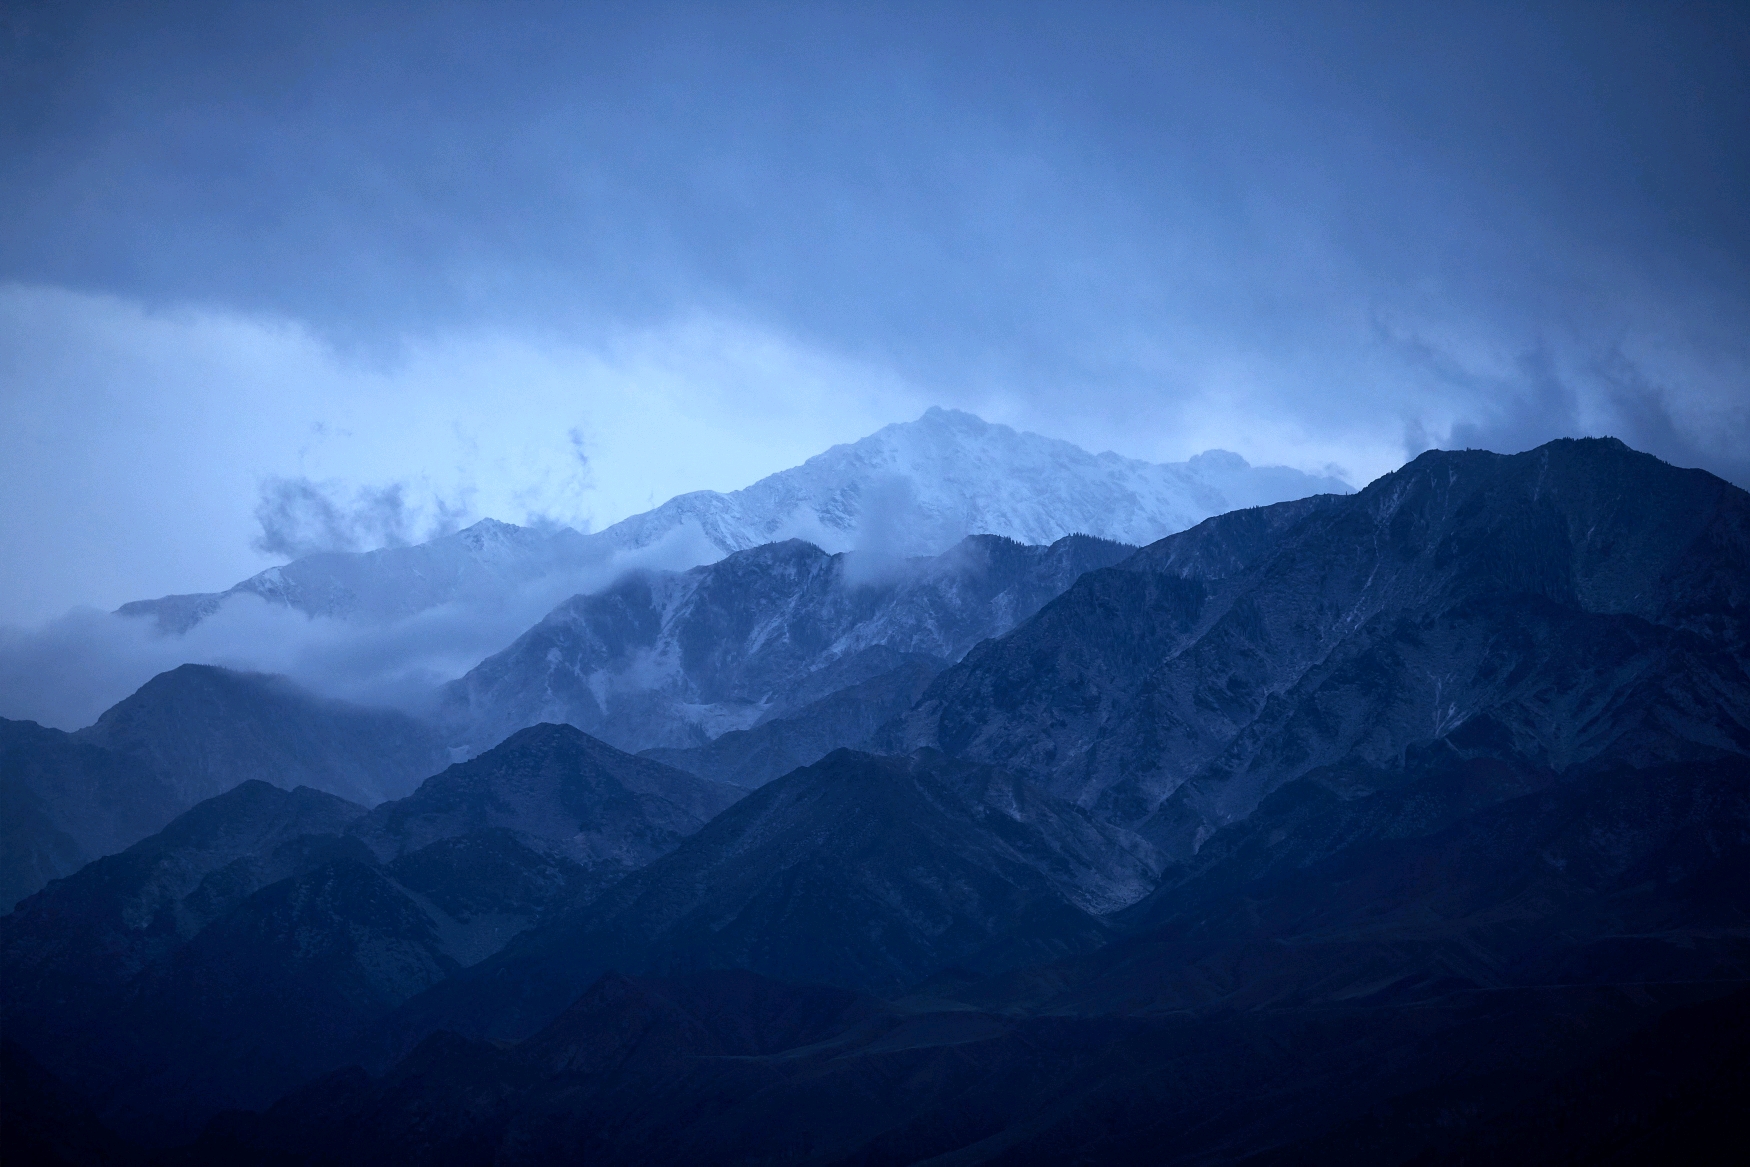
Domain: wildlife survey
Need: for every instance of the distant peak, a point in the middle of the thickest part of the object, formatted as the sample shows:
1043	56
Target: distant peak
547	732
938	415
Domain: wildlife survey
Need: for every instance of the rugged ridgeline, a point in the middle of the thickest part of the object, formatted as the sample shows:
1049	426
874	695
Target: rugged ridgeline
675	659
256	939
913	489
185	736
814	651
1578	602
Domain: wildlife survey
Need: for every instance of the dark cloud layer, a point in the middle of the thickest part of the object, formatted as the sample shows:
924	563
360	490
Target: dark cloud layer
1474	223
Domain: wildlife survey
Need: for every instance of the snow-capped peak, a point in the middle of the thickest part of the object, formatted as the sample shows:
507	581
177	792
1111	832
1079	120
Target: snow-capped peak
912	488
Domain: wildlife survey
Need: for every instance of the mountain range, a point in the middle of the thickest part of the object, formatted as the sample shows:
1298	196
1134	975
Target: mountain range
676	659
1576	601
1403	826
809	652
911	489
260	934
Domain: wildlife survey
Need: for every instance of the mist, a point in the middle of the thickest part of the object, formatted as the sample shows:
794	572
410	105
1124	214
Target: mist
65	671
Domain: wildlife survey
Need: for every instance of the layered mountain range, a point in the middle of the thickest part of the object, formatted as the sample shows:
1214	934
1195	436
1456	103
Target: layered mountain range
260	934
185	736
798	651
912	489
1411	825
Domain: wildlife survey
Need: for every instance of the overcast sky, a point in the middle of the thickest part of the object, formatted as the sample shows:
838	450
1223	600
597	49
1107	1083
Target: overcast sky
566	261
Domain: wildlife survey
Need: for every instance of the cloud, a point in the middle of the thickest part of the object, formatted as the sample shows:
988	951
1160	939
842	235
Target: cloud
145	452
299	517
67	670
556	266
886	510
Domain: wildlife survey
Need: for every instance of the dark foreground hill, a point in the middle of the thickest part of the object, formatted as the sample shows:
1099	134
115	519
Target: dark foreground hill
869	873
260	937
1567	955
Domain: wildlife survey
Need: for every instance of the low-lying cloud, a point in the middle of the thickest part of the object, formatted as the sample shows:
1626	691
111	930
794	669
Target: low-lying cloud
65	671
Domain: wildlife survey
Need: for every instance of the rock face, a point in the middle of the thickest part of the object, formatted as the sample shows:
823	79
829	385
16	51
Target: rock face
258	938
865	872
848	718
1571	603
673	659
913	489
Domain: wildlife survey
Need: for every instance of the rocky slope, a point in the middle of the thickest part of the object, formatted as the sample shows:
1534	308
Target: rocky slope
674	659
1575	599
847	718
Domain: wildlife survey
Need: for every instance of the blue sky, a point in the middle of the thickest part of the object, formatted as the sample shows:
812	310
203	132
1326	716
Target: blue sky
568	260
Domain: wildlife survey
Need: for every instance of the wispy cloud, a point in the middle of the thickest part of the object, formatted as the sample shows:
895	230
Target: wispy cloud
300	516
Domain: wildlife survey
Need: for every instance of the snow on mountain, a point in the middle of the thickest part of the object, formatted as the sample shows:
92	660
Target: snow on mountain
914	488
917	488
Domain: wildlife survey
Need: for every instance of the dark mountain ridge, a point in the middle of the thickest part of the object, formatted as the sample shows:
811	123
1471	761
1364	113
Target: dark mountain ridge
257	939
869	873
187	735
562	791
208	728
1568	596
65	802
